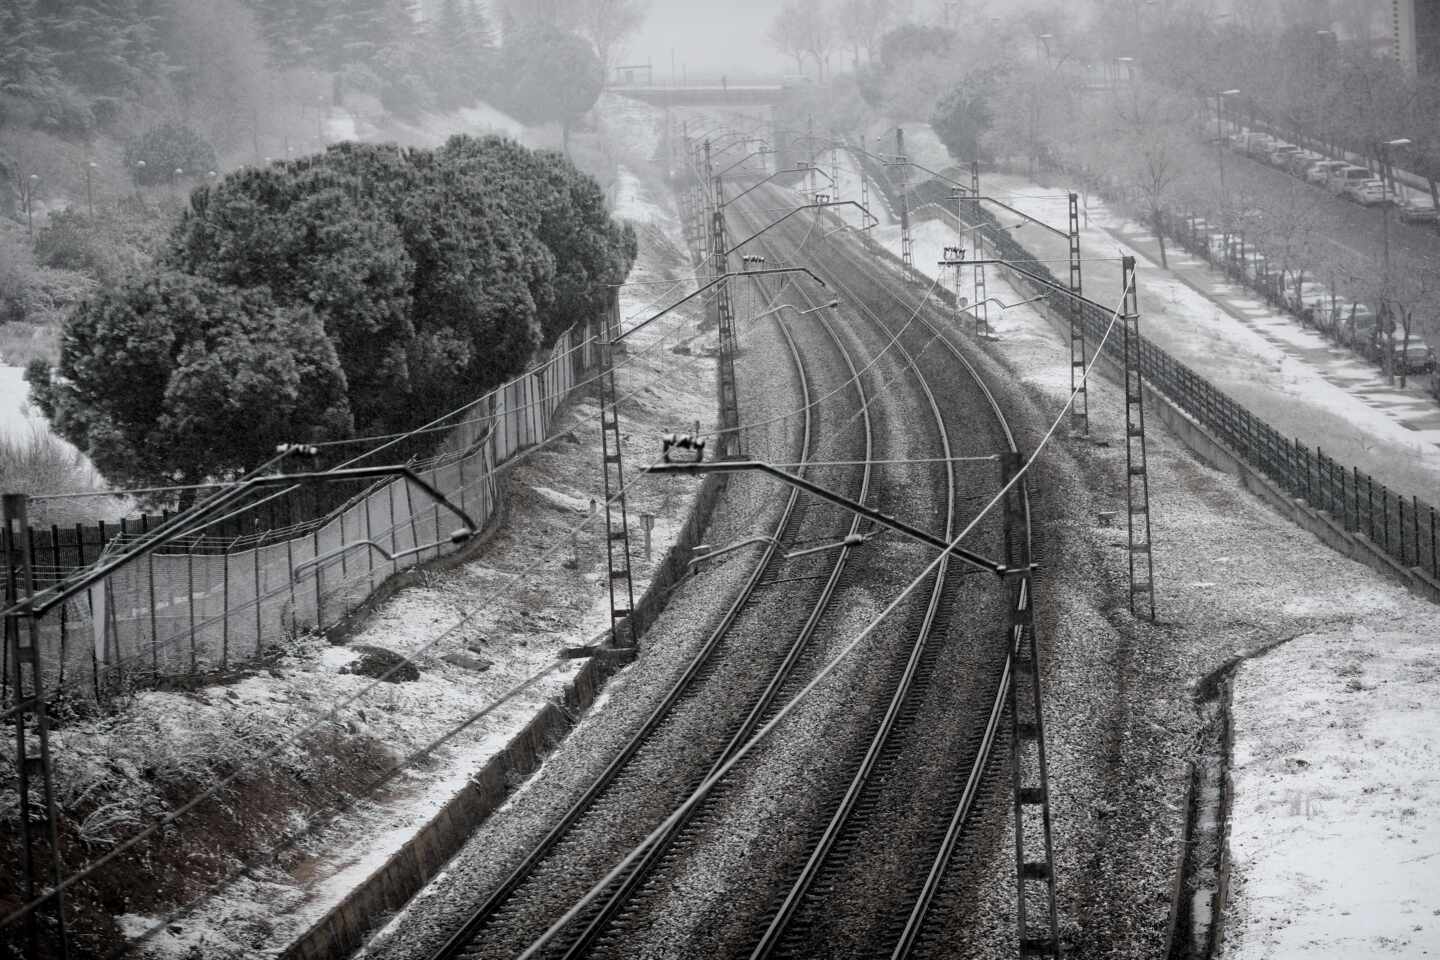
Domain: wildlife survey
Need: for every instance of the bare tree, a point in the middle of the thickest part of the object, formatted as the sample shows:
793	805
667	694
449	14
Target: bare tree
789	33
607	23
822	37
860	24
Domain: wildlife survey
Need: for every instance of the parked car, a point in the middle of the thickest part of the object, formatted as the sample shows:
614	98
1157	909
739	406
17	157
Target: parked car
1280	153
1412	357
1320	172
1312	305
1259	145
1343	175
1356	326
1300	162
1366	192
1417	208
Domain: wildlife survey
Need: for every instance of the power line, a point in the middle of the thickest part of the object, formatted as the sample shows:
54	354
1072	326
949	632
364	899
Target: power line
844	653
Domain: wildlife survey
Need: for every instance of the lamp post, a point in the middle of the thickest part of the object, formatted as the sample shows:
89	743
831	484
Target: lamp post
1220	134
30	183
1385	241
1044	41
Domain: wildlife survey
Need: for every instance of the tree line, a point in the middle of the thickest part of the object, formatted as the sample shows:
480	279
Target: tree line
367	289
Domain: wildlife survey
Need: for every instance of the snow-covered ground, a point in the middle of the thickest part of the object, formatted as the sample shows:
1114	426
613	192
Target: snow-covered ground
17	417
1336	823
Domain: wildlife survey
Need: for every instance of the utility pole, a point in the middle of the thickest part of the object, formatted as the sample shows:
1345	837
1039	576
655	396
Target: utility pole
810	171
955	257
1080	408
1137	466
981	307
623	628
906	250
1036	921
32	760
729	444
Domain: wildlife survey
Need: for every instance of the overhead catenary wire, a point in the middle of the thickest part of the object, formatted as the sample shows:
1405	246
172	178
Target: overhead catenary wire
366	690
830	666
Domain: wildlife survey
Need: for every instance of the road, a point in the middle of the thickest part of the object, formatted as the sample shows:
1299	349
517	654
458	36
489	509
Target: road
1346	233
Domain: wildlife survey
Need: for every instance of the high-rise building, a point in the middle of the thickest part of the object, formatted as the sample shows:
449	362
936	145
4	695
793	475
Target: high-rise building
1415	35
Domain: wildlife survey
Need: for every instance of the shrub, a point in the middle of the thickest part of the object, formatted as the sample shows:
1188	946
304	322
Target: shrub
66	243
17	278
165	149
38	463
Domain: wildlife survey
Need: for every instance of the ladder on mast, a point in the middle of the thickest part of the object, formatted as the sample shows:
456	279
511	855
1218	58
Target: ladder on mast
1137	467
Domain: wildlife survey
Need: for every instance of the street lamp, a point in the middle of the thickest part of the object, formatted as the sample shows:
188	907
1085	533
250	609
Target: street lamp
1385	234
30	183
1220	134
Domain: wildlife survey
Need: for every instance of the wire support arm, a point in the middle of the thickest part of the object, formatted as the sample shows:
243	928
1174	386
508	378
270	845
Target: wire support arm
1019	213
869	513
808	206
724	276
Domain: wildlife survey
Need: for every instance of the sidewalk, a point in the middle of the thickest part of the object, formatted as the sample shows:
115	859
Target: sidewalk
1410	406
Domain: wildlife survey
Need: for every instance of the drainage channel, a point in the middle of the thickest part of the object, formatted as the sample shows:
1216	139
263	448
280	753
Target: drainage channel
1202	876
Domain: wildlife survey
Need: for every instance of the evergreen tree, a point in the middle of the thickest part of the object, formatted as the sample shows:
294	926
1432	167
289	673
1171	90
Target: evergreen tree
26	65
177	378
461	55
105	47
550	76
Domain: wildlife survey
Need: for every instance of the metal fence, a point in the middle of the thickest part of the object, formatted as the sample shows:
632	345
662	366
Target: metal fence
1403	526
204	603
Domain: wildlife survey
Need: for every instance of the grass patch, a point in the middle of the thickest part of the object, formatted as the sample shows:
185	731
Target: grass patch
22	341
40	463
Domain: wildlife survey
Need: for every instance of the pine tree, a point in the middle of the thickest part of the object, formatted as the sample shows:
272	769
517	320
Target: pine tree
26	67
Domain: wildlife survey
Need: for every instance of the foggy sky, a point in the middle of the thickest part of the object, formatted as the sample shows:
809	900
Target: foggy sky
709	36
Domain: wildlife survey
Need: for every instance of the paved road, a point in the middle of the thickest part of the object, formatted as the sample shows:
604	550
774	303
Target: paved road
1346	229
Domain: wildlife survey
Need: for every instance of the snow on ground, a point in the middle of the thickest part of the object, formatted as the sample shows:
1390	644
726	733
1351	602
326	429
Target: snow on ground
1336	822
1291	377
17	417
635	129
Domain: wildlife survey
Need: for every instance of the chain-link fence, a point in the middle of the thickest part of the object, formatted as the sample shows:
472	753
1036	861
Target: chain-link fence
204	602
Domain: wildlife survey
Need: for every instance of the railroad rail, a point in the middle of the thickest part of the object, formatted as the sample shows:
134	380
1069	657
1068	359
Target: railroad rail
790	933
510	916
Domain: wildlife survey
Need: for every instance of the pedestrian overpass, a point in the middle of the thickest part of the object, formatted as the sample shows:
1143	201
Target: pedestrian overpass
731	95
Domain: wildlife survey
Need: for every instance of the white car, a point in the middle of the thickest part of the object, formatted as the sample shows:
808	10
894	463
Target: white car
1320	171
1301	161
1367	192
1280	154
1344	175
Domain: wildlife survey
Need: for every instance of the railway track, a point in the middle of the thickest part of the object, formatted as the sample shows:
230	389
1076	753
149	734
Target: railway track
828	904
880	873
732	681
838	870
